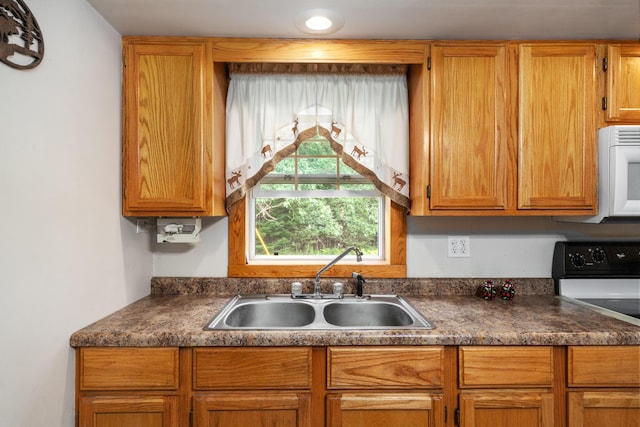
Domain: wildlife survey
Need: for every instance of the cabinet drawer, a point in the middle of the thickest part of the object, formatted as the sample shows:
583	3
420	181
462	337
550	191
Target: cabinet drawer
251	368
384	367
604	366
128	368
505	366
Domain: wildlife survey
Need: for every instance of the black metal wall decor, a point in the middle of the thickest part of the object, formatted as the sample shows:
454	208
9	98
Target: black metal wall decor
21	42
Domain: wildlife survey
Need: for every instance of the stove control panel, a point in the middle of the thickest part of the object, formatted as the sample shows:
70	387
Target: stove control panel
597	259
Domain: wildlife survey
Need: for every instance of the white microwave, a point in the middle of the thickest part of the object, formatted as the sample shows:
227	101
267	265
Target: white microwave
618	176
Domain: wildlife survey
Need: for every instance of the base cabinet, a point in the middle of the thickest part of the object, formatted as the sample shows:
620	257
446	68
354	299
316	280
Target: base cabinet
502	409
130	411
604	386
359	386
286	409
599	409
385	409
506	386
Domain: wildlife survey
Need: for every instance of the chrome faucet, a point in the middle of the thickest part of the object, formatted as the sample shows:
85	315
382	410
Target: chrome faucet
318	291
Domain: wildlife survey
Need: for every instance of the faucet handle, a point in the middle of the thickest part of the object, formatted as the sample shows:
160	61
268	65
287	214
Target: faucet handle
359	282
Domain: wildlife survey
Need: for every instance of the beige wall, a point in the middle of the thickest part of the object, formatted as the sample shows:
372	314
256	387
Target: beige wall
67	257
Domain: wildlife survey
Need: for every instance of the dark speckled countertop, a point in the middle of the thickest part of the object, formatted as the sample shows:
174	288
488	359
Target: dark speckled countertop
178	309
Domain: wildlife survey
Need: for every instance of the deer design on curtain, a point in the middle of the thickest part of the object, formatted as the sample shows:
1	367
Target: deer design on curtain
364	118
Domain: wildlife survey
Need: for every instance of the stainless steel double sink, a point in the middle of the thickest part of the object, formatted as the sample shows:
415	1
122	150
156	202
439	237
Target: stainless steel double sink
263	312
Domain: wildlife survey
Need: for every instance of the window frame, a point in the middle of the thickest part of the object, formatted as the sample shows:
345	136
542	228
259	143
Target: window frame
395	266
412	53
337	175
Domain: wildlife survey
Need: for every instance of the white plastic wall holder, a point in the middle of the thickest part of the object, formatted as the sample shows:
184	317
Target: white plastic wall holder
178	230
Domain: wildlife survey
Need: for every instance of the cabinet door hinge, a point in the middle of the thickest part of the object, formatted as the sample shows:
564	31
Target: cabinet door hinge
428	62
605	63
429	191
604	102
456	417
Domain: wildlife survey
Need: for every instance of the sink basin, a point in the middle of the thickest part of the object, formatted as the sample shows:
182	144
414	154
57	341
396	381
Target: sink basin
277	314
266	313
366	314
255	312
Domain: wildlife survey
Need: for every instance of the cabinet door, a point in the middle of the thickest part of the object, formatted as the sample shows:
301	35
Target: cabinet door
557	128
256	409
129	411
506	409
469	126
384	409
167	144
604	409
623	83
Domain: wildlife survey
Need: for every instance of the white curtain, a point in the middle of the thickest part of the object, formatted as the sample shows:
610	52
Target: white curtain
365	117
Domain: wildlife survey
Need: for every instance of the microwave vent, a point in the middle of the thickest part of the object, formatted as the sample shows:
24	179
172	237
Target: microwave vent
627	135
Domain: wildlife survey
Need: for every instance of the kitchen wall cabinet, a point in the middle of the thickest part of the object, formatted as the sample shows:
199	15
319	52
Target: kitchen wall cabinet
128	387
604	386
470	143
512	129
557	118
506	386
170	161
496	128
623	84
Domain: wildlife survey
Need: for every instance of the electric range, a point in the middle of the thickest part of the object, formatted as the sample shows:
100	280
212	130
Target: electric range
604	276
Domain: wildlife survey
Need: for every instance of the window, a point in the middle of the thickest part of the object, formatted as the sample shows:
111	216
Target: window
314	164
393	266
313	206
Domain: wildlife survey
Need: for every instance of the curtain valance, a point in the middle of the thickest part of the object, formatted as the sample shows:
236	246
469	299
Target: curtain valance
364	116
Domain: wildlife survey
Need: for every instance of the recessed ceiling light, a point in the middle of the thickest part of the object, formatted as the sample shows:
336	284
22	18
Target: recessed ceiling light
319	21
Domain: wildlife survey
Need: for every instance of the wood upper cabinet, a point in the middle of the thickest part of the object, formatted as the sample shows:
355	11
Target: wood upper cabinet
623	83
469	127
557	128
168	151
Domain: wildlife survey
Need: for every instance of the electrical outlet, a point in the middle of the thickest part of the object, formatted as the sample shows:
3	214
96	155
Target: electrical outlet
458	246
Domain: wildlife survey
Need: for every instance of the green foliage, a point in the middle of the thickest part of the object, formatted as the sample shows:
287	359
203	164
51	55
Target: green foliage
323	226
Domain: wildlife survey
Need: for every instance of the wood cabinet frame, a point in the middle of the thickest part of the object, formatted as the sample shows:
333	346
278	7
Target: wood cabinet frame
560	384
411	53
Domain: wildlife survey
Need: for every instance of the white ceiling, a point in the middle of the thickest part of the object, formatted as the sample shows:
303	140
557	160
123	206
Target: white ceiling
380	19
